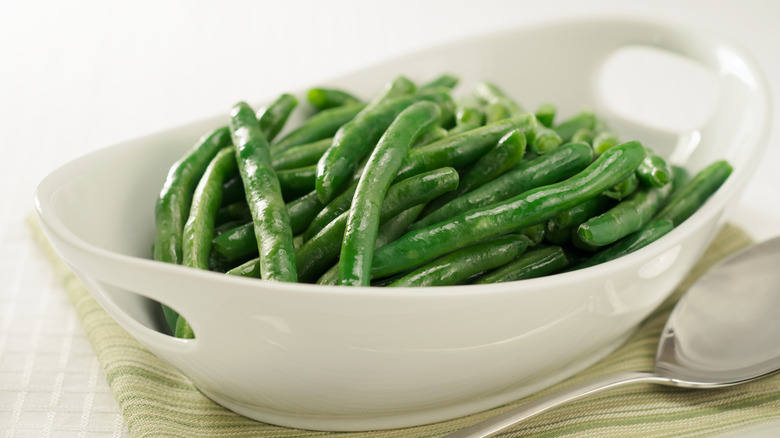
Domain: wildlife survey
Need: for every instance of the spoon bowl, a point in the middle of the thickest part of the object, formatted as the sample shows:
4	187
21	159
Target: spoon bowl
724	331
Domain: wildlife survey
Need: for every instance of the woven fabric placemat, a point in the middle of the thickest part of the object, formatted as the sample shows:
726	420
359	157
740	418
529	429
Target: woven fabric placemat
158	401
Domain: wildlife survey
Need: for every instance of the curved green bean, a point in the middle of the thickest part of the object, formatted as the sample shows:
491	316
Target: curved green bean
322	125
461	264
531	207
692	195
264	196
531	264
272	118
324	98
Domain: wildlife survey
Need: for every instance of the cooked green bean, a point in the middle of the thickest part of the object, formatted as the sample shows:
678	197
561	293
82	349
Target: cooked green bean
545	141
639	239
173	203
295	183
570	126
430	135
322	250
301	155
233	211
545	114
543	170
303	210
458	265
323	98
322	125
692	195
467	118
581	212
490	93
388	231
531	264
363	220
445	80
624	188
199	228
624	218
463	149
509	150
264	196
357	138
272	118
604	140
654	170
531	207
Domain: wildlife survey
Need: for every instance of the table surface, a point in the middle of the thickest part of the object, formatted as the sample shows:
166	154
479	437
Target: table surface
78	76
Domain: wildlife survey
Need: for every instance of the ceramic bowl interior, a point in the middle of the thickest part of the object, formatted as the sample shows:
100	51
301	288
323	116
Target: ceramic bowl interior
338	358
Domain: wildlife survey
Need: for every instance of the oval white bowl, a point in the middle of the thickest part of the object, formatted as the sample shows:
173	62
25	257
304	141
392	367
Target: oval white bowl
337	358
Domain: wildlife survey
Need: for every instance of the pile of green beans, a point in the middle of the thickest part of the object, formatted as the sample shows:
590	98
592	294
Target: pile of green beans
415	186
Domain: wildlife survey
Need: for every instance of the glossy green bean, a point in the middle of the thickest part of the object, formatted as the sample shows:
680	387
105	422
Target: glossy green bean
531	207
692	195
654	170
543	170
639	239
463	149
173	202
467	117
459	265
545	114
531	264
509	151
322	125
324	98
295	183
272	117
356	139
363	220
323	249
624	218
567	128
264	196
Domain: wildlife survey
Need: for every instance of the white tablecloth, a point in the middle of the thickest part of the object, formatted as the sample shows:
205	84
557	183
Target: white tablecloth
77	76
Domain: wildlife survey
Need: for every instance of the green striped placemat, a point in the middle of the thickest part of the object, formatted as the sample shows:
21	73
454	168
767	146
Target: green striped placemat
158	401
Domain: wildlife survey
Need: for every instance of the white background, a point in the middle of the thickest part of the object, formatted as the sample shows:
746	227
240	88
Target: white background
76	76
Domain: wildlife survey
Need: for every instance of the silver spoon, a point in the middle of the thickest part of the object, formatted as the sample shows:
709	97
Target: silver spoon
724	331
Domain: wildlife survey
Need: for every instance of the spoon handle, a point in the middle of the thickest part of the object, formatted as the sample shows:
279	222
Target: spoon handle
511	417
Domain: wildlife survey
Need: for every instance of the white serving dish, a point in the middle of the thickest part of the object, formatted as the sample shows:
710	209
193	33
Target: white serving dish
337	358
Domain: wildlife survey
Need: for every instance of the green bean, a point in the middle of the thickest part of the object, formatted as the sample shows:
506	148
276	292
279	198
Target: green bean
543	170
398	87
545	114
624	188
322	250
295	183
581	212
509	150
545	141
363	219
322	125
496	112
327	98
356	139
272	118
584	135
462	149
490	93
388	231
654	170
330	211
199	229
249	268
444	80
624	218
557	235
534	233
529	208
264	196
430	135
234	211
467	118
680	177
603	141
233	189
692	195
303	210
173	203
301	155
570	126
639	239
535	263
458	265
